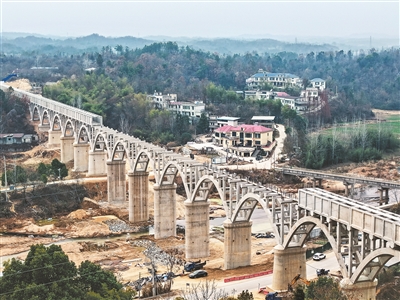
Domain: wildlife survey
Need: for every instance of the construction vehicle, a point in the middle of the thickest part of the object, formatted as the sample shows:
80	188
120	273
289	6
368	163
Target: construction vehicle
295	279
9	76
194	265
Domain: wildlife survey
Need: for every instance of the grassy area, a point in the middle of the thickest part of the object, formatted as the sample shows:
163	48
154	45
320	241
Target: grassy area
392	123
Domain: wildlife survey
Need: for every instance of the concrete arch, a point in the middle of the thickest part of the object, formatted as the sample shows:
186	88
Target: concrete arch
35	114
68	129
99	143
306	224
45	115
83	135
139	164
208	178
119	152
56	123
383	255
254	198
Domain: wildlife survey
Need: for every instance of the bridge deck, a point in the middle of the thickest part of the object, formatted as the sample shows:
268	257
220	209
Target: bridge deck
343	178
365	218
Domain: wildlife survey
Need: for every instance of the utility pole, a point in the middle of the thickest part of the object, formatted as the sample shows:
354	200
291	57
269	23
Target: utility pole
5	176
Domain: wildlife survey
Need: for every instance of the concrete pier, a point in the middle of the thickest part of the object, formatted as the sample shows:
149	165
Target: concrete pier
138	185
383	195
67	148
288	263
81	157
365	290
116	181
237	244
54	138
164	211
197	229
97	163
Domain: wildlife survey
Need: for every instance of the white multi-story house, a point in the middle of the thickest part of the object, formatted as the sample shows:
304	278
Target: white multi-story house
191	109
258	94
318	83
160	100
169	102
280	80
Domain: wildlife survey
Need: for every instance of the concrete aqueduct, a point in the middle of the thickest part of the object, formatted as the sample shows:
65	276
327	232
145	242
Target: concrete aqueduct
102	151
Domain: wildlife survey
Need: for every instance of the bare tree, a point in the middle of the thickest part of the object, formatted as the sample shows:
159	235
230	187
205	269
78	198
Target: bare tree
205	290
124	124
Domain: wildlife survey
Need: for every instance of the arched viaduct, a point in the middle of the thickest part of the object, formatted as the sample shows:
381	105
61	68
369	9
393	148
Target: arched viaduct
102	151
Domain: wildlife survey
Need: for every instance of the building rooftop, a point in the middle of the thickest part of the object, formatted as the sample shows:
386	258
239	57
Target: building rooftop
228	118
263	118
244	127
317	80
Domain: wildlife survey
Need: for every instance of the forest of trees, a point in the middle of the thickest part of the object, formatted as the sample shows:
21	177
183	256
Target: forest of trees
47	273
117	90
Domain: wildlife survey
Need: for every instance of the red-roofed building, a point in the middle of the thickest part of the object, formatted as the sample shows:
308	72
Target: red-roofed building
244	136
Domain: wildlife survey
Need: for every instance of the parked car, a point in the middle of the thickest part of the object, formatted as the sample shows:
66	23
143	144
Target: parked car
198	273
318	256
321	272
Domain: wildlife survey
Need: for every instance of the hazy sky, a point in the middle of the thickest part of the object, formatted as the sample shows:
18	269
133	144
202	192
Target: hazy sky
202	18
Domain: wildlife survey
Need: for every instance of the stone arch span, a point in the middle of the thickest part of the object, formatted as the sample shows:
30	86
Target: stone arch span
374	261
246	206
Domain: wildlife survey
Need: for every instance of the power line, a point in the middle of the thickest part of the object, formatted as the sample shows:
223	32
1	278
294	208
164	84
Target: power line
42	284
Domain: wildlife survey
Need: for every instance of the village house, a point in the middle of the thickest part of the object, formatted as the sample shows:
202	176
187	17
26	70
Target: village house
279	80
244	140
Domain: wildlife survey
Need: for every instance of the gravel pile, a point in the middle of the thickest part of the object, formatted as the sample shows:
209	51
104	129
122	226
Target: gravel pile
116	225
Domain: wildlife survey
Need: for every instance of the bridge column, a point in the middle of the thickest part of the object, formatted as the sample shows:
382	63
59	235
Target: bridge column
138	185
54	138
81	157
67	148
383	195
97	163
164	211
237	244
288	263
348	192
197	229
360	290
44	127
116	181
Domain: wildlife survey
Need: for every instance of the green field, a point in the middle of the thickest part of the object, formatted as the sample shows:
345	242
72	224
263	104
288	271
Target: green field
391	123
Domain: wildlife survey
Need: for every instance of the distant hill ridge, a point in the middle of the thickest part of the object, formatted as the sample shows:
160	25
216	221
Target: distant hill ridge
14	43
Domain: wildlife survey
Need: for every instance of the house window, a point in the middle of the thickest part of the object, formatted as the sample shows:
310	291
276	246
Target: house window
258	143
248	135
233	133
257	135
